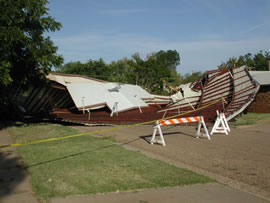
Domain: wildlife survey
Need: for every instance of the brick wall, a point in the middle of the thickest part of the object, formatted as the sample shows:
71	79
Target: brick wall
261	104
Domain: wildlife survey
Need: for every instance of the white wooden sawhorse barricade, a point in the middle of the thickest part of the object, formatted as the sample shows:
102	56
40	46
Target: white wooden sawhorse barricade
195	119
221	125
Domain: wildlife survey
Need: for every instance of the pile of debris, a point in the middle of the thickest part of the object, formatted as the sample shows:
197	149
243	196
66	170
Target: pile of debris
88	100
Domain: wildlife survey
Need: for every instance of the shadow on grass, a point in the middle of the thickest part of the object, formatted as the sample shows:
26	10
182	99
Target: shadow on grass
6	124
146	138
12	172
80	153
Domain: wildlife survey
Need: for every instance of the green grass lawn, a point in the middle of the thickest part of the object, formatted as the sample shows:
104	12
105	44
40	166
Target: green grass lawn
89	165
251	119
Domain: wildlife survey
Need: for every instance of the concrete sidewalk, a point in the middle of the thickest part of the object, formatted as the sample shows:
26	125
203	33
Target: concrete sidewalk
207	193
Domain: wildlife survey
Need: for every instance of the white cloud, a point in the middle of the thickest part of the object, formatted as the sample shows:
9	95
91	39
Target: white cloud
122	11
254	27
195	55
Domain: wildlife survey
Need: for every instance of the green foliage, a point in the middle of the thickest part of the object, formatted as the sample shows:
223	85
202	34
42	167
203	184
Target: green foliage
257	62
151	73
261	61
26	54
92	68
194	76
169	59
120	71
4	73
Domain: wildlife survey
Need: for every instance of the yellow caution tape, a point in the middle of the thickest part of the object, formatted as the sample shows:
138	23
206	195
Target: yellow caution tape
107	130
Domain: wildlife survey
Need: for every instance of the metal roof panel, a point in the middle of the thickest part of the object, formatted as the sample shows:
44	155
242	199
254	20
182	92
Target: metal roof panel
91	94
262	77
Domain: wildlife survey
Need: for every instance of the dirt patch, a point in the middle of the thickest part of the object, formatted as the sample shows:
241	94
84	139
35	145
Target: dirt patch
240	159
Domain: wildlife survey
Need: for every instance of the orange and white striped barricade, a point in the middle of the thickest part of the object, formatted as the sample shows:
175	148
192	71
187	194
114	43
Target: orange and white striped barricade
221	125
198	119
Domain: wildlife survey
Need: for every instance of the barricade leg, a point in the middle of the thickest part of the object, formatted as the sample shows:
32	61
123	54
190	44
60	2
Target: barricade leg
202	124
217	122
154	135
225	122
154	140
162	141
199	130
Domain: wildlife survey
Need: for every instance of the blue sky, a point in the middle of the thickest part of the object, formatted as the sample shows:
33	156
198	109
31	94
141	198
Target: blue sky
204	32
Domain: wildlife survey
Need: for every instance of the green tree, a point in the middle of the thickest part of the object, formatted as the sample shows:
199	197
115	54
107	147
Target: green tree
138	69
72	68
194	76
26	54
92	68
121	71
257	62
151	73
231	63
169	59
164	64
261	61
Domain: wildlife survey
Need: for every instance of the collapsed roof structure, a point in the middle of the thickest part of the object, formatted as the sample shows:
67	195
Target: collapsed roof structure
235	86
88	100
